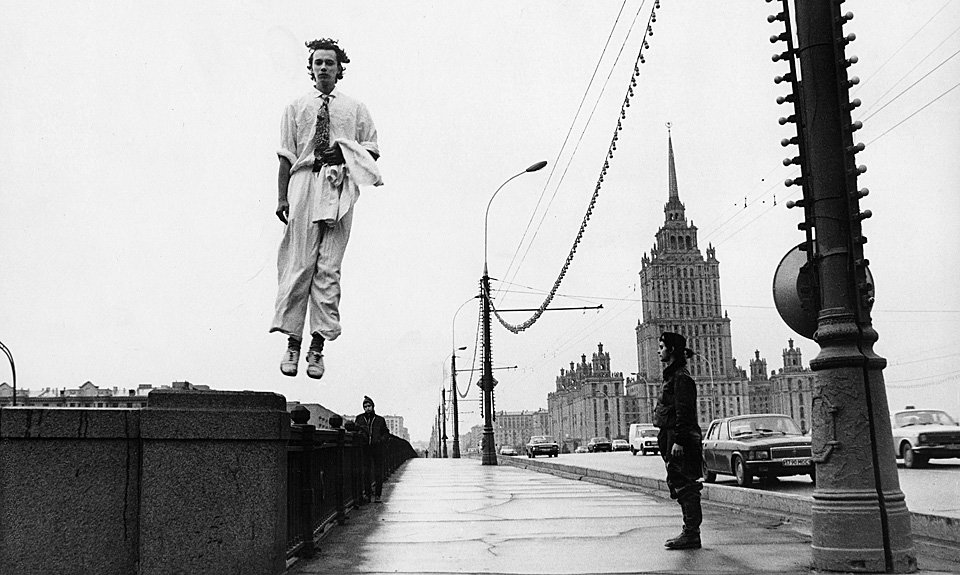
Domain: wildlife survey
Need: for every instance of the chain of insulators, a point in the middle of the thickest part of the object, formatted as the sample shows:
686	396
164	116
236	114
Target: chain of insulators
864	286
596	191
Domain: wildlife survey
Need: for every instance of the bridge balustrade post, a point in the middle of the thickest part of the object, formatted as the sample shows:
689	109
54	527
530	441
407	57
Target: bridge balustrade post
300	416
336	422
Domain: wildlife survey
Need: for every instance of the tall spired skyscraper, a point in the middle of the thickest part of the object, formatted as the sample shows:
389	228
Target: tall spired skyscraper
681	293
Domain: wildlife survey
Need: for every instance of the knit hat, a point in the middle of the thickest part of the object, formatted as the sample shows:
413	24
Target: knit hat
676	341
367	400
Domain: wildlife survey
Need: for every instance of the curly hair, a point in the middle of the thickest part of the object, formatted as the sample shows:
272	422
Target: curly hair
326	44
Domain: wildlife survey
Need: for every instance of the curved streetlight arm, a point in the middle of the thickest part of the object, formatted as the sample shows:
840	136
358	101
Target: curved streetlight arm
533	168
13	371
453	324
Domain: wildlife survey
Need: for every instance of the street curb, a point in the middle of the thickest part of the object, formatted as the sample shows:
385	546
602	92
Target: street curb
933	535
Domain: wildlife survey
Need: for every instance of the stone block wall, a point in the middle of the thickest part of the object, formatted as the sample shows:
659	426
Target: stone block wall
194	483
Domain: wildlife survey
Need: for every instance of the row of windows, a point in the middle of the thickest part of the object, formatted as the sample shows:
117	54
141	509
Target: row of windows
127	404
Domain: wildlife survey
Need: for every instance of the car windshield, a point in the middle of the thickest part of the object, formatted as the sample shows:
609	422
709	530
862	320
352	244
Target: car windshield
768	425
648	433
927	417
540	439
600	440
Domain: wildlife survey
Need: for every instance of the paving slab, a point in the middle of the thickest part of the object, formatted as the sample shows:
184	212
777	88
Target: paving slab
457	516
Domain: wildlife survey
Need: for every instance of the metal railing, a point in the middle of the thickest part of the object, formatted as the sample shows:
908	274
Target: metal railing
327	475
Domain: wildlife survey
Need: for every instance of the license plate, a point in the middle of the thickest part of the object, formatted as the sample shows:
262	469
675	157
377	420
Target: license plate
954	446
796	462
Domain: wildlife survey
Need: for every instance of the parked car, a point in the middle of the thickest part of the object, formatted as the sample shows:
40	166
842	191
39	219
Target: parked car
599	444
620	445
508	450
748	446
542	445
581	449
920	435
643	438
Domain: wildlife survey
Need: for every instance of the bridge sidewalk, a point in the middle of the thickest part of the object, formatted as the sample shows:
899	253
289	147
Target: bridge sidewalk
457	516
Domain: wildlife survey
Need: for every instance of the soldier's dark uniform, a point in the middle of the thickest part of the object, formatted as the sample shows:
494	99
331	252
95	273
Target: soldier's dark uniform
676	416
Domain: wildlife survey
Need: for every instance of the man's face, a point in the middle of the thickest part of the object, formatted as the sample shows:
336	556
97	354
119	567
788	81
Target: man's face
664	352
325	69
367	408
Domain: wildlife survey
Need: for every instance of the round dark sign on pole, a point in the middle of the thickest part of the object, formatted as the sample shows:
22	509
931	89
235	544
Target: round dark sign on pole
796	293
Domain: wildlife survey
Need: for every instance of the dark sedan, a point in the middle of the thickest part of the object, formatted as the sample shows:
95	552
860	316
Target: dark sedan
542	445
748	446
599	444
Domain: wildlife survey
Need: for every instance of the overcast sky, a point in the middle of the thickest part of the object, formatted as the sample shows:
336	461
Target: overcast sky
138	186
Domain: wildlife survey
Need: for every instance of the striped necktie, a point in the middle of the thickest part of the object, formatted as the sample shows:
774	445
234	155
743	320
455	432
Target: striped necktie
321	139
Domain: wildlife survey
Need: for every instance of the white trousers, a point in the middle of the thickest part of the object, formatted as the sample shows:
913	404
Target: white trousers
308	264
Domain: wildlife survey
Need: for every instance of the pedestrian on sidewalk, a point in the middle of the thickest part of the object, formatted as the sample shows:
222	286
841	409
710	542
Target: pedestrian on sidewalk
328	148
373	436
679	437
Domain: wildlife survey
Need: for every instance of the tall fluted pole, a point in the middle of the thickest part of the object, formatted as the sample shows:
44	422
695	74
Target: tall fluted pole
443	418
456	413
857	481
488	445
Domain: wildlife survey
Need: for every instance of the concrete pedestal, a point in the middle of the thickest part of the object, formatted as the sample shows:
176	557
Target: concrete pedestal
213	495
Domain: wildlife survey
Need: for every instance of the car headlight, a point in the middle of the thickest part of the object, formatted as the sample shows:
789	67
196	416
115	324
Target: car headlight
922	438
763	454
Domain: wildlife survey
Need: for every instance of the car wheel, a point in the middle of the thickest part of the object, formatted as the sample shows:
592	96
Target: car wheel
708	476
633	450
744	479
911	459
813	475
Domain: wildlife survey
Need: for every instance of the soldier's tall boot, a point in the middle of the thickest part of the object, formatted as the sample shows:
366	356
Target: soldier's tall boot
689	538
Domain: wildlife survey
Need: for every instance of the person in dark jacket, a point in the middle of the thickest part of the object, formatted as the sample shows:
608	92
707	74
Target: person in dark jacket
373	434
679	437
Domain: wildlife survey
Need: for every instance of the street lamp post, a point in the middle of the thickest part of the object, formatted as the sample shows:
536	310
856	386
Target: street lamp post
443	419
454	392
489	455
453	379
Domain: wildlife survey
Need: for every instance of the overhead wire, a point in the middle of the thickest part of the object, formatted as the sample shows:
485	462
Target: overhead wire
603	171
857	88
566	138
904	44
577	146
905	90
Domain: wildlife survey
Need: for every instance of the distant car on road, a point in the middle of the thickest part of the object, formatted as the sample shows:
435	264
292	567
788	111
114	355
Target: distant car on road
508	450
920	435
581	449
620	445
599	444
748	446
643	438
542	445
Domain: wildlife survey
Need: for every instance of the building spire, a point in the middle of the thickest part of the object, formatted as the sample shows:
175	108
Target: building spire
672	167
673	209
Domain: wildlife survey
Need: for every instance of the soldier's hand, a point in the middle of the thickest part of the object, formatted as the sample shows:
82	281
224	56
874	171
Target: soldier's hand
332	156
677	450
283	210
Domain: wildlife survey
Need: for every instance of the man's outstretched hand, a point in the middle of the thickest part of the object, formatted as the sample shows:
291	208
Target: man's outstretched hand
283	210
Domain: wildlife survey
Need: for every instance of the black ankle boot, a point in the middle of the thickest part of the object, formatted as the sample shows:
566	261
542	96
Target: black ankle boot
686	540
